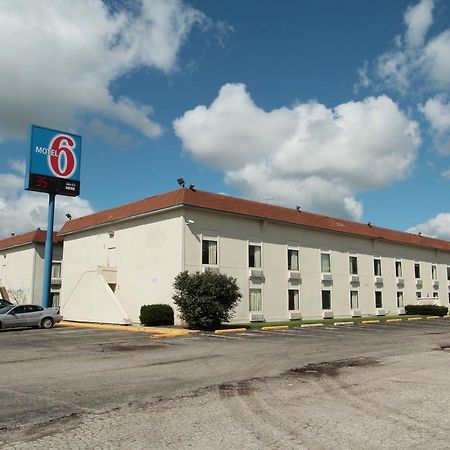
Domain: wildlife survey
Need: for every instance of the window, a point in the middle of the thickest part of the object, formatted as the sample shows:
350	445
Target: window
435	294
254	256
294	300
54	299
448	273
400	299
353	262
418	294
449	297
378	299
293	259
398	269
255	303
56	270
433	272
417	270
325	262
326	299
377	267
354	301
209	252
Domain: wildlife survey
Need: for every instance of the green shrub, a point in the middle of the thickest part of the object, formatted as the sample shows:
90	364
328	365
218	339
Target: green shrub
158	314
426	310
205	300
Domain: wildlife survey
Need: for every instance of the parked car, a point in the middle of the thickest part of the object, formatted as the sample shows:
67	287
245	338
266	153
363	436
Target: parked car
18	316
4	303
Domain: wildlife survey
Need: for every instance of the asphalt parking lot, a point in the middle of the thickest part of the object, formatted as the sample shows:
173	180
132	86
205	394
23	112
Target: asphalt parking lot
371	386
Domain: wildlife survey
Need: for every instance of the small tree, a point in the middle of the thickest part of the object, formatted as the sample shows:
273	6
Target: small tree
205	300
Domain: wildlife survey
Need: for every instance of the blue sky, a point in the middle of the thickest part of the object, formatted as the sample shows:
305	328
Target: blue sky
342	107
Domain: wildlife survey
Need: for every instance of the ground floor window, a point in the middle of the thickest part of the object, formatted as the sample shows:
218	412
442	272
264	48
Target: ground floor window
294	300
354	301
418	294
54	299
326	299
400	299
378	299
435	294
255	303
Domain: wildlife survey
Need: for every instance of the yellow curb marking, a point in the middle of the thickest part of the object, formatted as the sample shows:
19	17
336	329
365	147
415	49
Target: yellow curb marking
394	320
446	317
230	330
369	321
275	327
414	318
433	317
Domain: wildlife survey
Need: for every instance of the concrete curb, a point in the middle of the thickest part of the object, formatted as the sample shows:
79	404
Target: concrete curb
231	330
368	322
393	320
433	317
344	323
275	327
306	325
446	317
414	318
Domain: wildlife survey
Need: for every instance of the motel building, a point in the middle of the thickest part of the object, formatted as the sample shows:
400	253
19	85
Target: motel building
22	268
289	264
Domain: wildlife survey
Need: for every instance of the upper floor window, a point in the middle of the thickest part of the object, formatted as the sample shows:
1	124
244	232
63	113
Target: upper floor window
417	270
398	269
325	262
377	267
56	270
353	263
254	256
209	252
433	272
293	259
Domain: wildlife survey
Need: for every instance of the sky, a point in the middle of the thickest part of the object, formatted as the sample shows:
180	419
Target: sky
341	107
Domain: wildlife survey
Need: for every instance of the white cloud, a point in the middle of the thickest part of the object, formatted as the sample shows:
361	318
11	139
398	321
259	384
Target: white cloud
60	57
418	20
307	154
437	112
437	227
22	211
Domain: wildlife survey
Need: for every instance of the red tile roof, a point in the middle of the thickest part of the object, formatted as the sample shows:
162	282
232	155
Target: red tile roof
224	203
27	238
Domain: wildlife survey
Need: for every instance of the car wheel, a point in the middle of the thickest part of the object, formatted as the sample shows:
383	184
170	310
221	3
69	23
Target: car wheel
47	322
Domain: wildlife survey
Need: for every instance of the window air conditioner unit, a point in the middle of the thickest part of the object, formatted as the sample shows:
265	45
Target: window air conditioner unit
380	312
419	282
256	317
294	275
378	280
400	281
295	315
435	283
256	273
56	281
354	279
356	313
401	311
327	277
327	314
210	269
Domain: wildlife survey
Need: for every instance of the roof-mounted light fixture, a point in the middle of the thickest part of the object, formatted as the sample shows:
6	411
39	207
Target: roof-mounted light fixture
192	187
298	208
69	216
181	182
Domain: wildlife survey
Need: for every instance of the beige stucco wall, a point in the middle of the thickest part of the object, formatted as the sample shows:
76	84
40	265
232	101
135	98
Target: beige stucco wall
146	254
234	234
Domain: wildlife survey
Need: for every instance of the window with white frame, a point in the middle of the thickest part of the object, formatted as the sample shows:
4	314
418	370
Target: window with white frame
377	267
448	273
417	270
209	251
325	263
398	269
293	263
378	299
56	270
354	300
254	256
326	299
433	272
255	300
400	302
293	300
353	265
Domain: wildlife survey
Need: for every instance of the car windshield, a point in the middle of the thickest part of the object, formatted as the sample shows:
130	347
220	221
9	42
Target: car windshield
5	309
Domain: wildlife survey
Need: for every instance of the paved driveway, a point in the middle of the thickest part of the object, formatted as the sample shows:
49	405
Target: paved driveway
371	386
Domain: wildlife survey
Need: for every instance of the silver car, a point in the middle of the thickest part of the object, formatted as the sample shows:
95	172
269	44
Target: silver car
17	316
